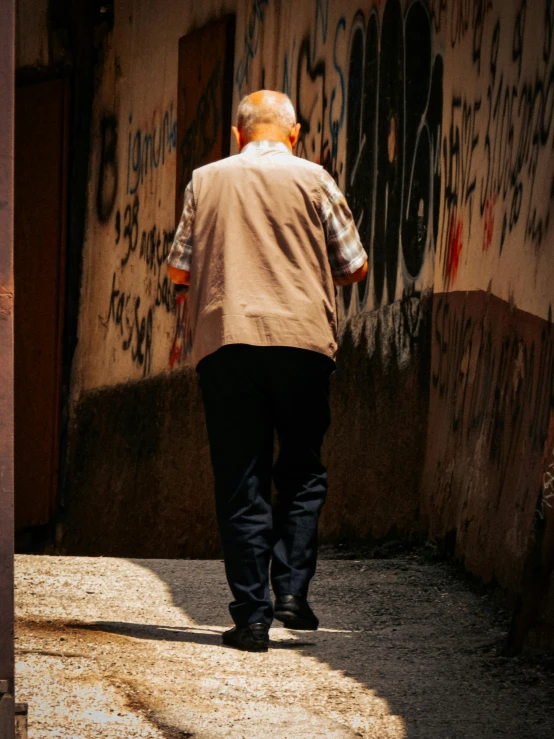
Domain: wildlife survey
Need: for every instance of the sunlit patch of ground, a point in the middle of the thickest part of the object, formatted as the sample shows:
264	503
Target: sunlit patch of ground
119	648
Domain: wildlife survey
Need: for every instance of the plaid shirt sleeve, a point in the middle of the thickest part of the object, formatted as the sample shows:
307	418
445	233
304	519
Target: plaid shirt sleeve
344	248
180	255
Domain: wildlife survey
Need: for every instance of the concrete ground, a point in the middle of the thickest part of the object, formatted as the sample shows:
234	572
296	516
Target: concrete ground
132	648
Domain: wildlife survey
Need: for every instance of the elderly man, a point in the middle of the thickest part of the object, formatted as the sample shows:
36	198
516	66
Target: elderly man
263	239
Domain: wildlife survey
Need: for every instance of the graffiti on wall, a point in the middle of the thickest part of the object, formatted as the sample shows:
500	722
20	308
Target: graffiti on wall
140	244
133	323
373	119
320	96
130	311
155	245
460	18
393	143
495	387
250	43
148	148
498	141
422	174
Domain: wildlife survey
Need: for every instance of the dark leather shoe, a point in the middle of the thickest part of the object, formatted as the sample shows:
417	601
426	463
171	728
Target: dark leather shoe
251	638
295	613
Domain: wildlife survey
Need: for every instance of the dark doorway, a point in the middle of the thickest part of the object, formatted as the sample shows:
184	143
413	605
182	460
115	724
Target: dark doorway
41	147
205	99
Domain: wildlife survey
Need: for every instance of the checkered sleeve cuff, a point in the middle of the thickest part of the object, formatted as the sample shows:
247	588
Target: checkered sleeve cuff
345	251
180	255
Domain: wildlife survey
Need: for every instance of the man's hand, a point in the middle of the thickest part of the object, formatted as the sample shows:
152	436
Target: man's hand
179	276
356	276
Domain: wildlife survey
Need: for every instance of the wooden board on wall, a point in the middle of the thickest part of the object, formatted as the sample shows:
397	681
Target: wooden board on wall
39	258
204	101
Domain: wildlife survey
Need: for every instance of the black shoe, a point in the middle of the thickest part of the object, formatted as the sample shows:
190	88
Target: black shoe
251	638
295	613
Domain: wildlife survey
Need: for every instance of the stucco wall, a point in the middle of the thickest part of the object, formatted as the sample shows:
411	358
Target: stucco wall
497	165
129	317
436	120
492	365
486	485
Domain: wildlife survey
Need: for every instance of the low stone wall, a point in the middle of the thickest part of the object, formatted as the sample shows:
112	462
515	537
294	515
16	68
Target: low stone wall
492	374
140	473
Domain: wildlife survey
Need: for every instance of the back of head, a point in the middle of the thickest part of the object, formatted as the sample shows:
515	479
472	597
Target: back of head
266	109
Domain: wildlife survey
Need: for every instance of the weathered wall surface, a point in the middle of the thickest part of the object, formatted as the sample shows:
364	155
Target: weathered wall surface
486	489
129	315
139	456
492	365
491	392
497	167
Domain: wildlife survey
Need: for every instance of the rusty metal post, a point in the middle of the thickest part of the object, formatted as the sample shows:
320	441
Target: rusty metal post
7	83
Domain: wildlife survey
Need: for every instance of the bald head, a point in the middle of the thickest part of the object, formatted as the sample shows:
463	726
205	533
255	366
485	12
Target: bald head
266	114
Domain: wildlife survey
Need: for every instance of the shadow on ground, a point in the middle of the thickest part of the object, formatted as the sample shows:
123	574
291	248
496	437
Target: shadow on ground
406	629
190	635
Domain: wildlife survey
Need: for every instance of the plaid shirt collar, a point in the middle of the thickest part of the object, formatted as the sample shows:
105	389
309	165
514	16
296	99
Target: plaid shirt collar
259	146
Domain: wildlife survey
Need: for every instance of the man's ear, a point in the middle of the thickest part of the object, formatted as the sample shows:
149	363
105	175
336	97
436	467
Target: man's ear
238	137
295	134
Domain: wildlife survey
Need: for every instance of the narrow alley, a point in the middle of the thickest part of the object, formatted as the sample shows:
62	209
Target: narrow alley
365	283
407	649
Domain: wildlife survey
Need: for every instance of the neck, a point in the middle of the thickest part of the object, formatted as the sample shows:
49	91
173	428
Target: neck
268	133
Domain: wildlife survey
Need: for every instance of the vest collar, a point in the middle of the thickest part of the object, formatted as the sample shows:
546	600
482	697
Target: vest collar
259	146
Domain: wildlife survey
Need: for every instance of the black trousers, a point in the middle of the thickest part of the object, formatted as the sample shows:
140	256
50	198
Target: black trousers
250	393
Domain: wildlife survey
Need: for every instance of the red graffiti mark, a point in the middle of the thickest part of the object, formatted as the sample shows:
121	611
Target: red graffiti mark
488	225
455	243
181	341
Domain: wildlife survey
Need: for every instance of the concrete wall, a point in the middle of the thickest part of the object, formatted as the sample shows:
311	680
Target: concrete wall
436	120
492	368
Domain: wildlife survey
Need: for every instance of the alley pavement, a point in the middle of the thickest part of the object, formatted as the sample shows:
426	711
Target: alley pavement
121	649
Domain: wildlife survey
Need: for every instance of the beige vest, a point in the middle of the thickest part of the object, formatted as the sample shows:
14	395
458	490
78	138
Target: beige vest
260	273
